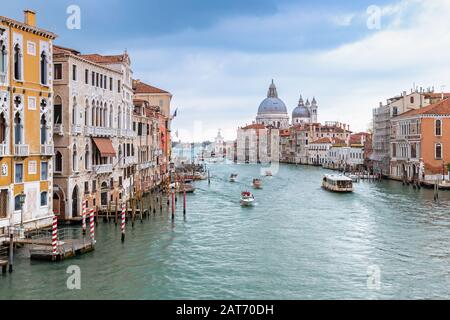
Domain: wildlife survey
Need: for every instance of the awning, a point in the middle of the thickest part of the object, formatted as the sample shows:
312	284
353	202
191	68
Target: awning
105	147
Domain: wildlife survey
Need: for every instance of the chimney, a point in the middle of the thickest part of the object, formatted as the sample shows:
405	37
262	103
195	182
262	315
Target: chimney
30	17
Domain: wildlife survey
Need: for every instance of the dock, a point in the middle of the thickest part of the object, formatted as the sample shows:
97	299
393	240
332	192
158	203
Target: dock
66	250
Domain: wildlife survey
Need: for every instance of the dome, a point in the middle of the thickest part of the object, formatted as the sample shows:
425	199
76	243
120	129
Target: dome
272	104
301	111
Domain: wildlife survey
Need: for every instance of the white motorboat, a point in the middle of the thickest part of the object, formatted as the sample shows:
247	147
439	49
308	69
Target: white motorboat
268	173
337	183
247	199
233	177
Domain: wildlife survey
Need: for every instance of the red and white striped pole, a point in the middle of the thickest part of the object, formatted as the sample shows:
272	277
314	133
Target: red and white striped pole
92	226
122	226
84	216
55	236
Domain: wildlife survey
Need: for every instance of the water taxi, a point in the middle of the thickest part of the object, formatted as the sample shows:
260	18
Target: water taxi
268	173
233	177
257	183
337	183
247	199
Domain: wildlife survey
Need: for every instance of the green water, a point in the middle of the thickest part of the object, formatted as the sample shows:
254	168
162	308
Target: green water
298	242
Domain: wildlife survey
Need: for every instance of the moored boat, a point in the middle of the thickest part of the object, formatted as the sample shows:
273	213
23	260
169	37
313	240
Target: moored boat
257	183
247	199
337	183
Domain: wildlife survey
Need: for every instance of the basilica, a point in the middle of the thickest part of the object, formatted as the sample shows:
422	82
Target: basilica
272	111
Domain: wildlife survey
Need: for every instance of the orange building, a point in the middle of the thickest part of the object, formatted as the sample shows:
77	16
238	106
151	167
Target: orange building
420	143
26	147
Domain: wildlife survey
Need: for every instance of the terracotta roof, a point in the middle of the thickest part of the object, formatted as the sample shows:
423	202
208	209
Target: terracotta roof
328	140
59	49
9	21
439	108
254	126
141	87
97	58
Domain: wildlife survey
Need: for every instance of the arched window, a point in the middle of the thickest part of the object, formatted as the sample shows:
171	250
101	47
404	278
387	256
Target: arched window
2	57
438	151
438	127
75	159
3	129
86	113
18	129
74	111
111	119
44	68
57	110
17	205
93	117
43	130
58	162
87	158
17	62
44	199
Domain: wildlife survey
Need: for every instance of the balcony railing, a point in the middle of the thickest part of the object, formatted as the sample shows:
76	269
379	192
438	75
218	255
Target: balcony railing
47	150
76	129
145	165
100	131
103	168
58	128
3	150
21	150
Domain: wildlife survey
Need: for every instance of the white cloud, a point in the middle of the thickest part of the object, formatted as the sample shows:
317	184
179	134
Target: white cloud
224	88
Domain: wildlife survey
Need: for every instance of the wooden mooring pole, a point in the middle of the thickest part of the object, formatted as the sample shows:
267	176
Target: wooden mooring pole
184	202
11	251
115	216
173	205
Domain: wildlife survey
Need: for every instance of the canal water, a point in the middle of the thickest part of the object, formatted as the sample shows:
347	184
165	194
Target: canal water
384	241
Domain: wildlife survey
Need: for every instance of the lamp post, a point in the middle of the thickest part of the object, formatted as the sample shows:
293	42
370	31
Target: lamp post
22	197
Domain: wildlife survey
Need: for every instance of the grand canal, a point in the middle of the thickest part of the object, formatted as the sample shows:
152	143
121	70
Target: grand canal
299	242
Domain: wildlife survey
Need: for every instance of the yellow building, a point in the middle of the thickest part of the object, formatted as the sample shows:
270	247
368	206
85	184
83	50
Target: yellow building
26	146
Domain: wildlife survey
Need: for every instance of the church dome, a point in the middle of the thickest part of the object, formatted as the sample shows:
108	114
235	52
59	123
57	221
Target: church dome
301	111
272	104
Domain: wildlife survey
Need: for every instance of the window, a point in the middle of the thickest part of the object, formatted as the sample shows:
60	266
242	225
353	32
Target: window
31	48
18	173
17	204
44	70
438	127
438	151
43	130
75	159
58	71
111	183
57	110
58	162
94	186
111	84
101	80
411	99
413	151
86	187
44	199
118	86
97	78
74	72
44	171
86	76
394	111
17	62
394	150
3	204
3	57
93	78
32	167
18	129
104	82
3	128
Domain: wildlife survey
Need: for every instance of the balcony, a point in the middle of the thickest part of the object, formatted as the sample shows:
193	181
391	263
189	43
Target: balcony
3	150
103	168
58	129
145	165
21	150
100	131
76	129
89	131
47	150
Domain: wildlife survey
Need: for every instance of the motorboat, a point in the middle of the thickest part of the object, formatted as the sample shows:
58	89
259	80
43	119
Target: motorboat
337	183
233	177
247	199
257	183
268	173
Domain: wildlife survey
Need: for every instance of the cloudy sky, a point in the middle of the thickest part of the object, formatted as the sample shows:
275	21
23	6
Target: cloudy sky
218	57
